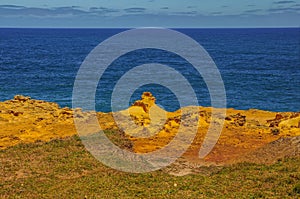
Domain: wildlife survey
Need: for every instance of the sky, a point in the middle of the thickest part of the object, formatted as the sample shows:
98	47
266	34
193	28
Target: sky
149	13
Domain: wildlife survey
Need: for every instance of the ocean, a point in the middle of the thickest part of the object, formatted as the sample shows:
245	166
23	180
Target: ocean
260	67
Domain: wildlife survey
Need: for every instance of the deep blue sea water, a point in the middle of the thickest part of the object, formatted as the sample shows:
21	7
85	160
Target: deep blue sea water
260	67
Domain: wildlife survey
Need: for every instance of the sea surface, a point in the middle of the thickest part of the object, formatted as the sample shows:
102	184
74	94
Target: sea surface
260	67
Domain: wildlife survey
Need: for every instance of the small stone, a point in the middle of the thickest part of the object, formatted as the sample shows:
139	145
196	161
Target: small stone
275	131
21	98
278	117
17	113
227	118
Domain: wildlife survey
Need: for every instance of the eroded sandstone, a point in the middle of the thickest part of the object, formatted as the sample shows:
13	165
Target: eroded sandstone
150	128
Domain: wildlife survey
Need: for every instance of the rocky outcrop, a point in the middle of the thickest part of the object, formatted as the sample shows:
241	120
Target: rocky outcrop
146	102
150	128
24	120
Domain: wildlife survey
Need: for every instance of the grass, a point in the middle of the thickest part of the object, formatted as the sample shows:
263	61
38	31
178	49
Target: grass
64	169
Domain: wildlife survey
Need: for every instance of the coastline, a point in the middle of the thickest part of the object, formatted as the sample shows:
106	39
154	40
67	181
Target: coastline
25	120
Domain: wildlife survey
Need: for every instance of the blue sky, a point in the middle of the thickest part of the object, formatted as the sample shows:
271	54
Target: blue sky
154	13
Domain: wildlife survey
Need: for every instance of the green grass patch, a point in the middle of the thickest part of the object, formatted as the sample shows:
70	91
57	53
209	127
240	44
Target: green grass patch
64	169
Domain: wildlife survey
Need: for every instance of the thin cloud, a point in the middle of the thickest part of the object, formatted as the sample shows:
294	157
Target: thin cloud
28	12
179	20
12	6
284	9
67	10
186	13
102	10
13	10
135	10
216	13
76	6
284	2
253	11
164	8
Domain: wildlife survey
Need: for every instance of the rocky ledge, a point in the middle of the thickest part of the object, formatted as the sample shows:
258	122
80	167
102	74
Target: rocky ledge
247	135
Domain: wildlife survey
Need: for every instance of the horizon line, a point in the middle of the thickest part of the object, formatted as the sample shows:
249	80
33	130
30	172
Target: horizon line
233	27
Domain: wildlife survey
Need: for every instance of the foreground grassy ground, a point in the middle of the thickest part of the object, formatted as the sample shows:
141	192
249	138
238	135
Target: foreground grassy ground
64	169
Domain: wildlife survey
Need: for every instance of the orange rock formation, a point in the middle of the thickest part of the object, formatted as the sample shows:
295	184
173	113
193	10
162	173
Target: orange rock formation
24	120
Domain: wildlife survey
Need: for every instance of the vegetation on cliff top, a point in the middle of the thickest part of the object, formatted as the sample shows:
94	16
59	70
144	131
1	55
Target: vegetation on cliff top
63	168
